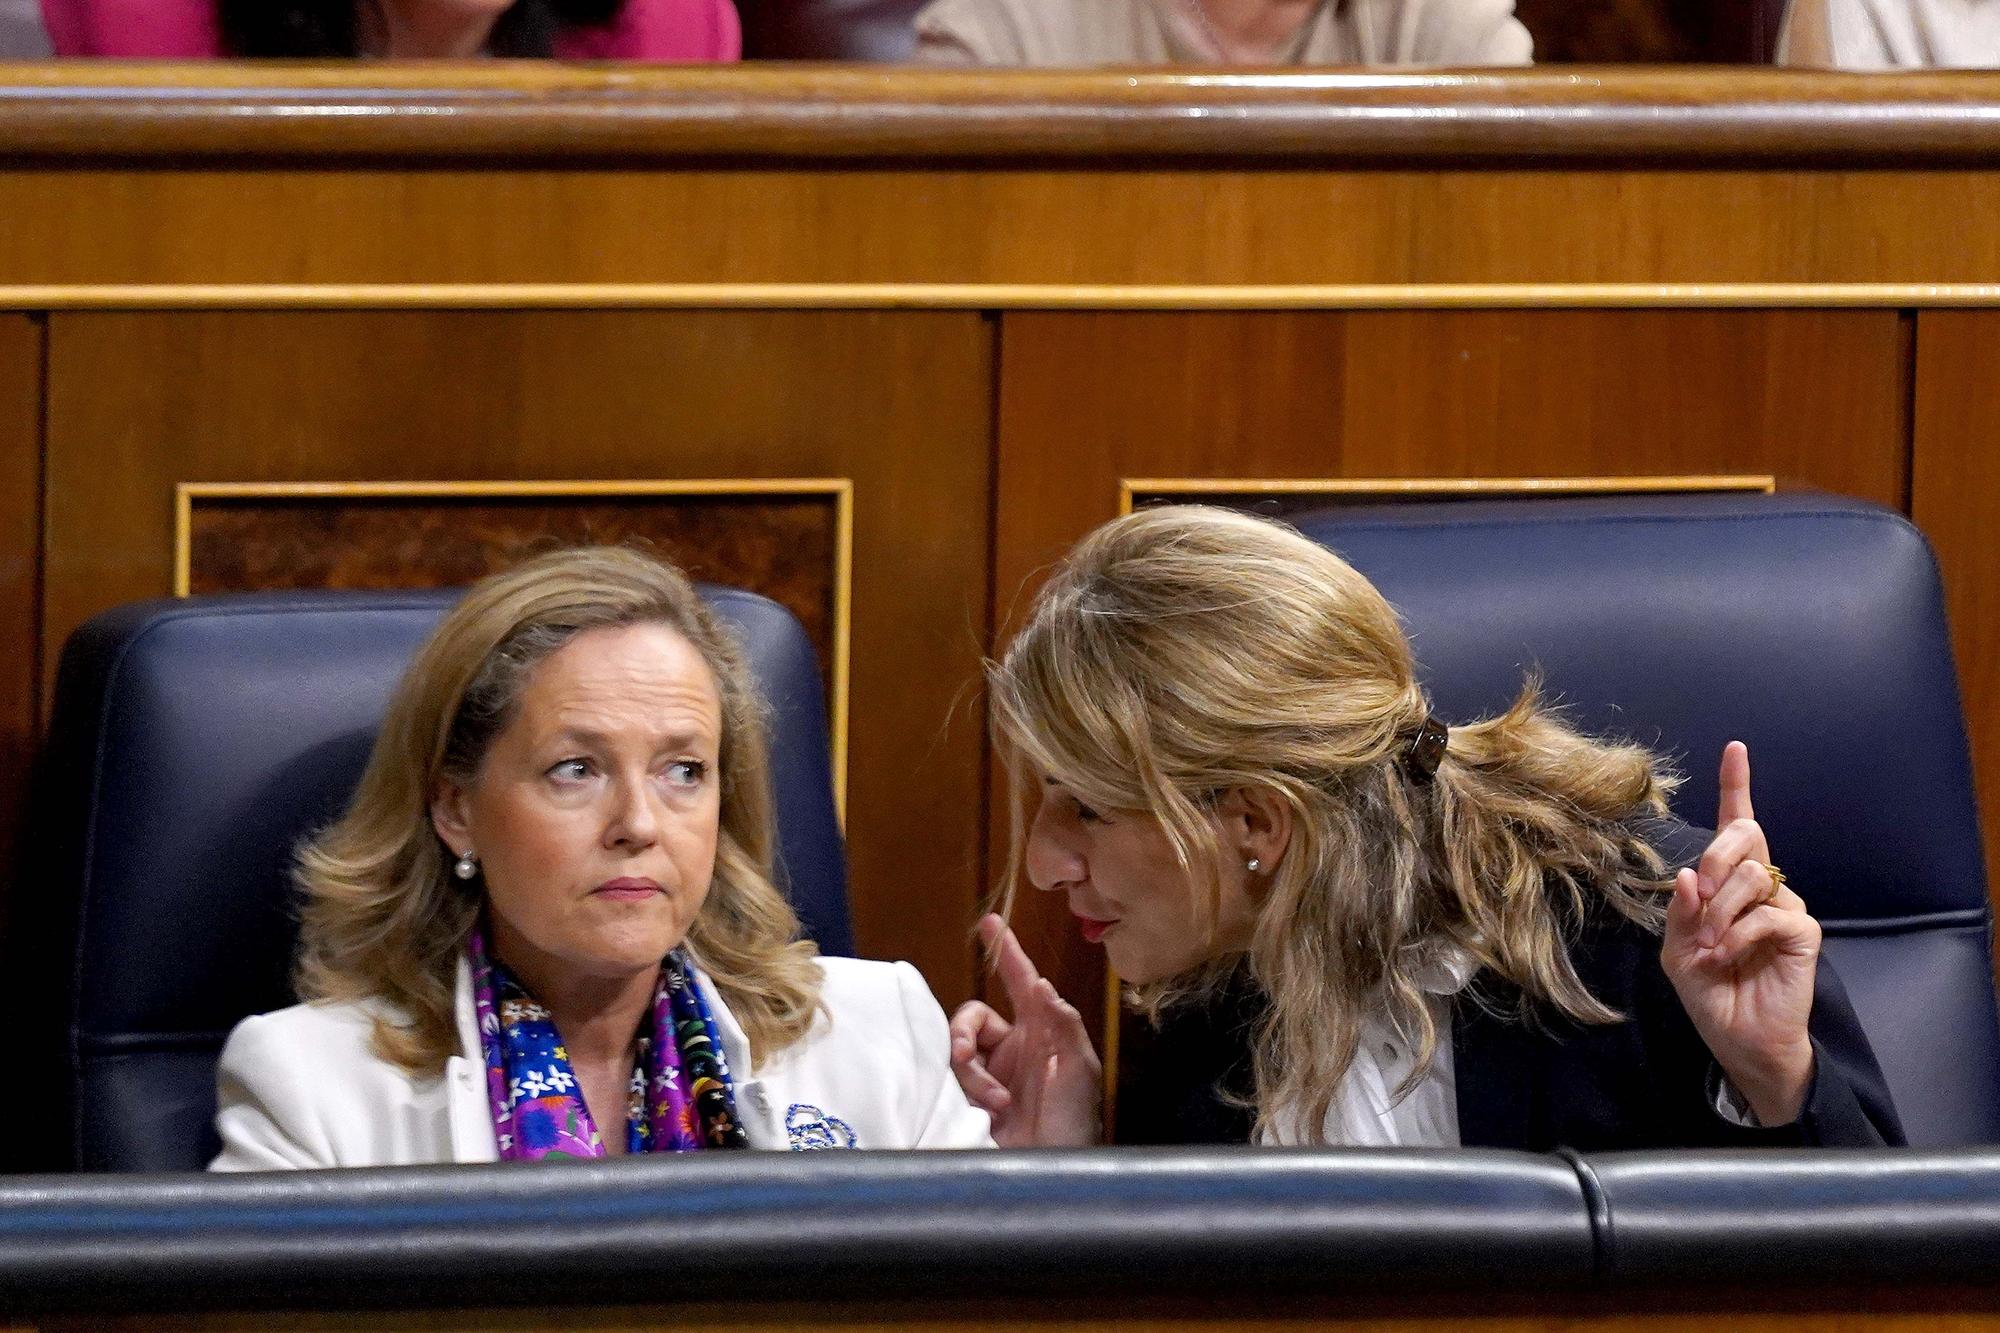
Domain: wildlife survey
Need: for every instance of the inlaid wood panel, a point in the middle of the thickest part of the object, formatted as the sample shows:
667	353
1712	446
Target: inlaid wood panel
787	547
1955	499
1118	224
1088	399
897	402
20	569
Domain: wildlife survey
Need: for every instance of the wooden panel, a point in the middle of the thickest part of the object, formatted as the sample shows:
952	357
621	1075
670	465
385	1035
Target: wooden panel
1955	499
786	547
899	403
1145	226
20	570
1814	397
1088	399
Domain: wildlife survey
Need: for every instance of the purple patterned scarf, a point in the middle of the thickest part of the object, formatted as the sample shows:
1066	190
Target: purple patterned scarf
681	1098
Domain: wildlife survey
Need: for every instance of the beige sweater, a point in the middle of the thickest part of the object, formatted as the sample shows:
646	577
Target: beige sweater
1891	34
1171	32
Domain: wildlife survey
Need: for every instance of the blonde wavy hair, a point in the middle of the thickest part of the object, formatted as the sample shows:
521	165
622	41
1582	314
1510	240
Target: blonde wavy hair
383	917
1182	652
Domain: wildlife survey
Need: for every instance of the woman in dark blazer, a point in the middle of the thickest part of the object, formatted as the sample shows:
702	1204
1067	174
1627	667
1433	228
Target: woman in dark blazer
1351	924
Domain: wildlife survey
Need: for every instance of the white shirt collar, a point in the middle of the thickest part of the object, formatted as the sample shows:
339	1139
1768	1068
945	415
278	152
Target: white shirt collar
1446	970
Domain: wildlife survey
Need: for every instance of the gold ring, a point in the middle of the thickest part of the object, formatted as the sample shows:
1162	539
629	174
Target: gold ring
1777	879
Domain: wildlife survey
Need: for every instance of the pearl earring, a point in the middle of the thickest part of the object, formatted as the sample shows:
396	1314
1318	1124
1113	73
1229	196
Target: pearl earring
466	866
1253	865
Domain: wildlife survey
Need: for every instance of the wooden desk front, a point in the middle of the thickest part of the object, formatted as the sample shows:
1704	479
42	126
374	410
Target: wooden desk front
987	302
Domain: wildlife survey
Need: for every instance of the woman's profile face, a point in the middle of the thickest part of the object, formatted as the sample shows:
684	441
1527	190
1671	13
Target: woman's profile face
594	812
1126	889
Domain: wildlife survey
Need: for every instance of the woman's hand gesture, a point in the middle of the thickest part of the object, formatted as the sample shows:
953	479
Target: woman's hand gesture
1742	951
1038	1076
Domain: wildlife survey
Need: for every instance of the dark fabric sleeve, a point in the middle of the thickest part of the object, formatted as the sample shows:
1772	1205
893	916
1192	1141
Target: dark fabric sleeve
1848	1105
1189	1079
1539	1081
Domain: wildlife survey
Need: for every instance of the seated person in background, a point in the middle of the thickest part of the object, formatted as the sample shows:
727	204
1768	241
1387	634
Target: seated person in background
1361	926
397	29
546	926
1891	34
22	35
1222	32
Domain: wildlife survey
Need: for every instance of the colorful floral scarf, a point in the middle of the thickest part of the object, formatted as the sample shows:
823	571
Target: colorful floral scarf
681	1099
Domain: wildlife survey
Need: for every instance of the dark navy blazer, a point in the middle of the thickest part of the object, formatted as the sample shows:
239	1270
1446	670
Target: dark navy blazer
1547	1082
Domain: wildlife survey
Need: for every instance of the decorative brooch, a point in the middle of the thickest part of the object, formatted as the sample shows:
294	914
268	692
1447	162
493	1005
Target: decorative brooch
810	1129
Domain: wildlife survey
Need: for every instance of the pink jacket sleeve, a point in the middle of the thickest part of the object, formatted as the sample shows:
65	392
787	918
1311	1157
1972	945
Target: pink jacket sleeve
161	29
660	30
187	30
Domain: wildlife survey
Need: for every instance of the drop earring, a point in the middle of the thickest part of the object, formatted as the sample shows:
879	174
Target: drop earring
466	866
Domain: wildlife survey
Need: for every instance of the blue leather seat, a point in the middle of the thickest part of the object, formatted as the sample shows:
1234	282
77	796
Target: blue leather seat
1810	627
898	1233
194	744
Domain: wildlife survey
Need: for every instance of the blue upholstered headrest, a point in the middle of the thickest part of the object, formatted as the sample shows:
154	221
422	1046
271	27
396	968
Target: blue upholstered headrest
1808	626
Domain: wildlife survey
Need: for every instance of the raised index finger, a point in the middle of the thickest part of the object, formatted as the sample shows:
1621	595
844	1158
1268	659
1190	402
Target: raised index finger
1734	803
1011	961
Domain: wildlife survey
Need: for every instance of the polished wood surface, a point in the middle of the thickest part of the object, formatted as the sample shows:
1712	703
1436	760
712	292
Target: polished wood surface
1147	226
654	115
1955	499
141	402
1091	399
1001	297
20	570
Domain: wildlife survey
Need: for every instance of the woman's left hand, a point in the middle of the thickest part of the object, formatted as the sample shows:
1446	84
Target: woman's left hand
1743	952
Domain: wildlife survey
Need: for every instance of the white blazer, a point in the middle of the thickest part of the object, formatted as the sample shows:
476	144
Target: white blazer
301	1088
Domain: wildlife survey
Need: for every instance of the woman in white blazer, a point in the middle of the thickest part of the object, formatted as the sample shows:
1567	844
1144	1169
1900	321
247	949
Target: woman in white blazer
546	925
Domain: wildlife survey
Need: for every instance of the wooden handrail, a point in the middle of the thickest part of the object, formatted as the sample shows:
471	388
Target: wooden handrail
627	115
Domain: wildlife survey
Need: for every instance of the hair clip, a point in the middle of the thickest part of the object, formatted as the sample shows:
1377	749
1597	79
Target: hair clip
1426	750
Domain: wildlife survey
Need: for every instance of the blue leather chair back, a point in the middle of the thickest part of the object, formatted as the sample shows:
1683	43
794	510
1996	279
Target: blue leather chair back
1808	626
195	743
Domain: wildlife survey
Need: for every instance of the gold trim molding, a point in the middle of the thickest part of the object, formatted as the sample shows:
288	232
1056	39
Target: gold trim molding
1420	488
991	296
839	489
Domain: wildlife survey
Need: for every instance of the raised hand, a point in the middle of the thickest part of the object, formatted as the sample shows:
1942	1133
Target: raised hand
1742	952
1038	1076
